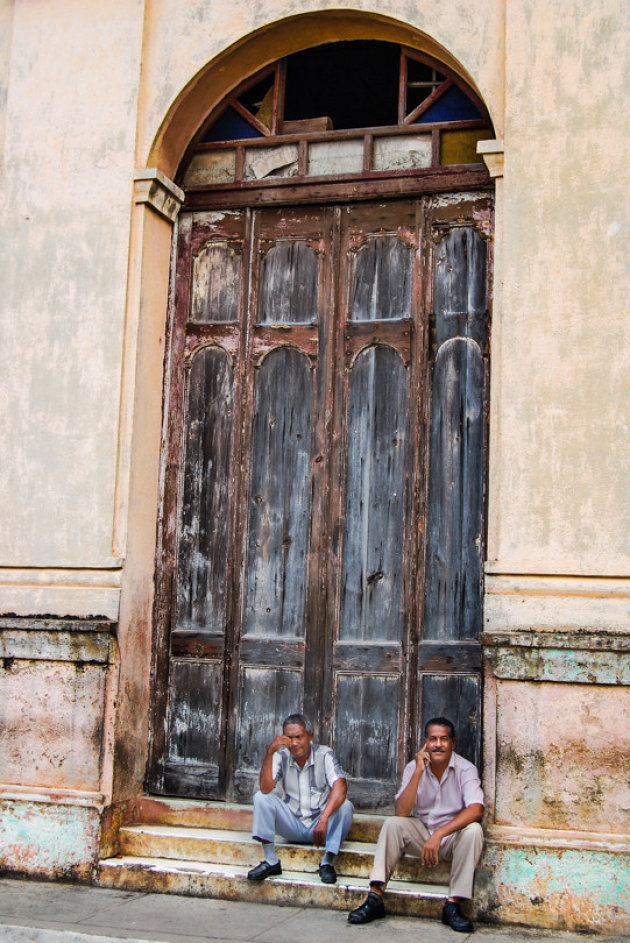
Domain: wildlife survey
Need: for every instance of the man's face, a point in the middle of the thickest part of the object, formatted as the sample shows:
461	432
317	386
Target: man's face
439	744
300	745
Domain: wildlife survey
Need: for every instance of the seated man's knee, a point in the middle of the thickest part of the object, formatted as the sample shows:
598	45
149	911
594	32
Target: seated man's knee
472	834
394	825
262	799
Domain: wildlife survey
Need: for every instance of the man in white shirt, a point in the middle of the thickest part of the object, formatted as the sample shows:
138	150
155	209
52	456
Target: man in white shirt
443	793
312	809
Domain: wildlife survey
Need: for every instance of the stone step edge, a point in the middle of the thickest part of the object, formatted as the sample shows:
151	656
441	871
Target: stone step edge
229	835
136	841
154	810
290	888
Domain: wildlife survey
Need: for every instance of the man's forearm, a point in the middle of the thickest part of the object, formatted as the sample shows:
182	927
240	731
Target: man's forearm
472	813
404	804
267	782
336	798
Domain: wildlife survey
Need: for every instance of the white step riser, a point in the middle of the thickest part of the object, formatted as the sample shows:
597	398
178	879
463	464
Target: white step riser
191	813
289	890
355	863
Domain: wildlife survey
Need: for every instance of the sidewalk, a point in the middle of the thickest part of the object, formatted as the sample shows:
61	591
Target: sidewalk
41	912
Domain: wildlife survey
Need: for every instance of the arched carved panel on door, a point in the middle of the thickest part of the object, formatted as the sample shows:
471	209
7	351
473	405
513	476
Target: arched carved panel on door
382	279
280	496
289	284
205	508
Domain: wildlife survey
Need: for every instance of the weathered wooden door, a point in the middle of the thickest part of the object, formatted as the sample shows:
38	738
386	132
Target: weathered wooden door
322	529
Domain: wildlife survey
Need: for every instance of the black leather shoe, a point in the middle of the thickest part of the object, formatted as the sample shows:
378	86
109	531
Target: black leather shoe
454	918
371	909
327	874
264	870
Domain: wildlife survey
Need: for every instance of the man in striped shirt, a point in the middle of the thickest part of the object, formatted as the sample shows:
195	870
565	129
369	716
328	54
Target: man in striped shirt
312	807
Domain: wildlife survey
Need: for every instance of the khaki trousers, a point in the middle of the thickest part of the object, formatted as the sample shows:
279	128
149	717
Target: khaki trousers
406	836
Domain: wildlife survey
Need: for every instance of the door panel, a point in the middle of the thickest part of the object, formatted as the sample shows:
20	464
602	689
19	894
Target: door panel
279	514
381	279
266	695
195	715
201	567
371	586
454	563
458	697
289	284
450	655
285	377
369	706
368	717
326	440
216	283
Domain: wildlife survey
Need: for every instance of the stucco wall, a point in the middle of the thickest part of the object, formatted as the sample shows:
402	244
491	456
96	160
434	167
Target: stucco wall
78	121
91	91
561	378
71	112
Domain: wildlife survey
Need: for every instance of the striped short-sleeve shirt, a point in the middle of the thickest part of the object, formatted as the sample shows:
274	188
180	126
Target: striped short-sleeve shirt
306	790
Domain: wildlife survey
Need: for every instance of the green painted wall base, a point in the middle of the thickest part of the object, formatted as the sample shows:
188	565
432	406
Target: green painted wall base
47	839
556	888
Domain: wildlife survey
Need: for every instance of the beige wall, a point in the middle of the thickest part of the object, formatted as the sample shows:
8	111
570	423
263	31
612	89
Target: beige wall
91	92
71	111
81	112
561	378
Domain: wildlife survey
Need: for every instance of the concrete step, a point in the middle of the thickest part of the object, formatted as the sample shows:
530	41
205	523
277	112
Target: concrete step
232	847
294	888
205	849
192	813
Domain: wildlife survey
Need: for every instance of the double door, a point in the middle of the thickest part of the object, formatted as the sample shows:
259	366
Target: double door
322	525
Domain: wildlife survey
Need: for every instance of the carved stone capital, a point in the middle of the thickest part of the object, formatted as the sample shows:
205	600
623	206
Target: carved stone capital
152	187
492	153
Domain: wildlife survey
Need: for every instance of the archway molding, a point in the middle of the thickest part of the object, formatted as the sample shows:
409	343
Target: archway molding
225	72
157	201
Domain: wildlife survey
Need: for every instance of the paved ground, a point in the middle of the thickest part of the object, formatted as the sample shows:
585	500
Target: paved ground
41	912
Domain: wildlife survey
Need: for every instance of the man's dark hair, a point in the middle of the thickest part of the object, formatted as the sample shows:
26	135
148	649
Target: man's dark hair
440	722
297	719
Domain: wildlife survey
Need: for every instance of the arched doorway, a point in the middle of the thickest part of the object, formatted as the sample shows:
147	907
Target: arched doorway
322	529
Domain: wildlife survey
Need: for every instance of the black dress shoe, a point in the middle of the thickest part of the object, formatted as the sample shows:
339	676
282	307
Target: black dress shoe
454	918
327	874
371	909
264	870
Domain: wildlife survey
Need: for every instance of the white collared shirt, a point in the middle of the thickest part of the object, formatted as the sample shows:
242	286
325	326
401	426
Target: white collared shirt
438	802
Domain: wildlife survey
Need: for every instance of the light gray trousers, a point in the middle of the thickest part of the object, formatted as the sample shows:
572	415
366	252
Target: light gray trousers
272	816
406	836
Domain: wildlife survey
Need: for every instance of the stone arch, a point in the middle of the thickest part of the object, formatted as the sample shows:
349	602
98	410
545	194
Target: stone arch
156	201
222	74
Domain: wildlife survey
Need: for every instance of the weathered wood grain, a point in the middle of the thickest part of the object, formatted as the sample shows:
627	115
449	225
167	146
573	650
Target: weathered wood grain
267	696
289	284
453	589
381	282
279	512
205	504
367	725
216	283
195	714
373	522
458	697
461	295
